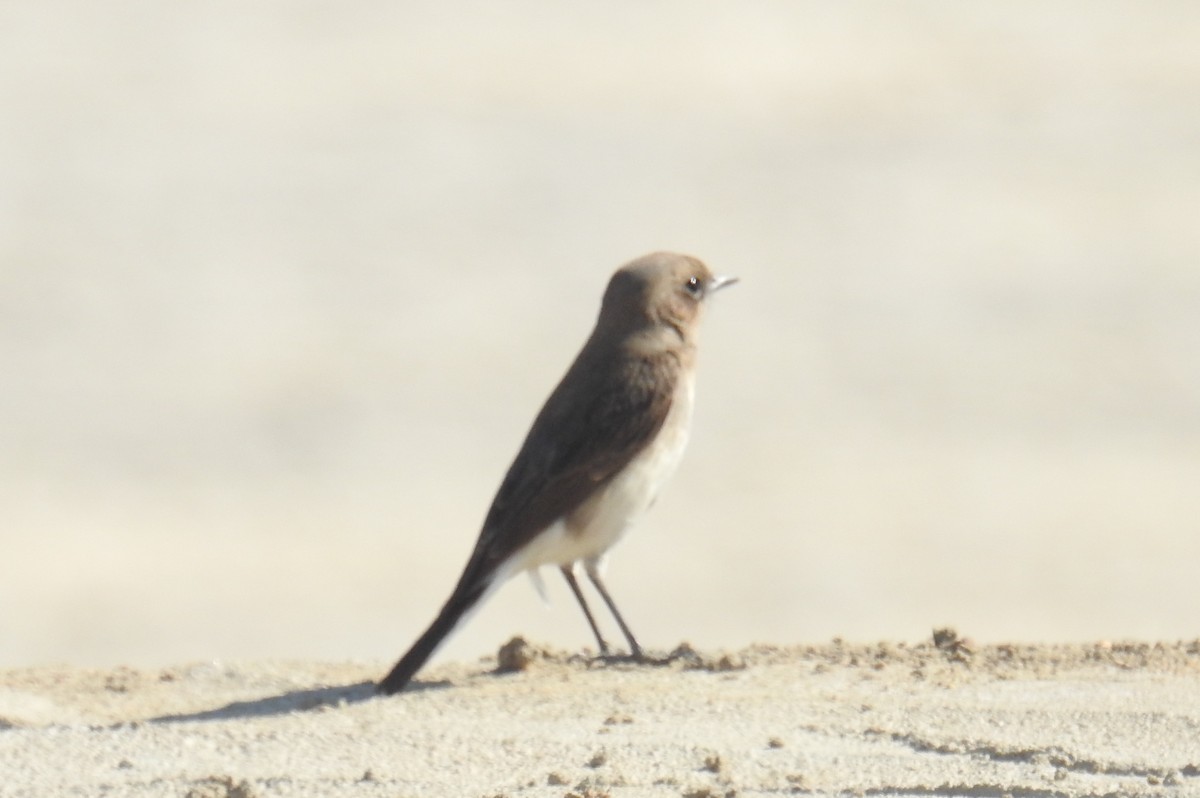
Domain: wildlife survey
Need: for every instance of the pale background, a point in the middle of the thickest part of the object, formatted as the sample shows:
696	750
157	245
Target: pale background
282	285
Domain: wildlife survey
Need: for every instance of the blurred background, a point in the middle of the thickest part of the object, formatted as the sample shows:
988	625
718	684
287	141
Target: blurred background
282	286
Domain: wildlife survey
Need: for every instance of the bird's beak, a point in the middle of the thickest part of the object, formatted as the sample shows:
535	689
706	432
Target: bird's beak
720	282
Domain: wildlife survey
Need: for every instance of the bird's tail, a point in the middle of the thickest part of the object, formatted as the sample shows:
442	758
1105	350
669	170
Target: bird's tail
467	596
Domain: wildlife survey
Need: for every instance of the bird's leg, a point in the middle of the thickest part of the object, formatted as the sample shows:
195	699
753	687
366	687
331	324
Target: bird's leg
593	572
568	571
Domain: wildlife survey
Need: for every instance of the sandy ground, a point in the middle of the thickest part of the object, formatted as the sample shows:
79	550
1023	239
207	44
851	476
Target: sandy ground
944	717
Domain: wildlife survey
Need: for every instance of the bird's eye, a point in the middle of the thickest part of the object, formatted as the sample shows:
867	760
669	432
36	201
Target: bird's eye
694	287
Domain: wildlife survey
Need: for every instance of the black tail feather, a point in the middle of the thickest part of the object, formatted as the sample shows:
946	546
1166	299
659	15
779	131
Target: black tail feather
459	604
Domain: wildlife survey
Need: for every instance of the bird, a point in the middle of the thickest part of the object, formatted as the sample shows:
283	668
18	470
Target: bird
599	451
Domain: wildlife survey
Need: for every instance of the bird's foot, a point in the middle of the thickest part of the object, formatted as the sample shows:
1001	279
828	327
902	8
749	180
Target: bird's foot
635	657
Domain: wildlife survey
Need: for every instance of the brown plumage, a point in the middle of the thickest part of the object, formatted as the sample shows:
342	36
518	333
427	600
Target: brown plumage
603	444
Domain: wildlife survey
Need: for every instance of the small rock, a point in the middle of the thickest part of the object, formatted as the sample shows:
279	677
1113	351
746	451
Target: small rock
515	655
221	787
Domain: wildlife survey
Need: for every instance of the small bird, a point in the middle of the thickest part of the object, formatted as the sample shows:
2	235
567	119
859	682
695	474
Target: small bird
603	445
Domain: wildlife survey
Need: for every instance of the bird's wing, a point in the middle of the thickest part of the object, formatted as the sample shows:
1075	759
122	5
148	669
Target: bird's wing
579	440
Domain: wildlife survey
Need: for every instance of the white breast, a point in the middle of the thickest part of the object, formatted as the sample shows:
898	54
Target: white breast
603	519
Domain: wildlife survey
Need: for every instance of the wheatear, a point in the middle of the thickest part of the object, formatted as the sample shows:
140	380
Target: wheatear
603	445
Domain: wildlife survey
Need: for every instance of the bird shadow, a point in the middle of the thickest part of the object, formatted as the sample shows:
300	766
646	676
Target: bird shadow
324	698
315	699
